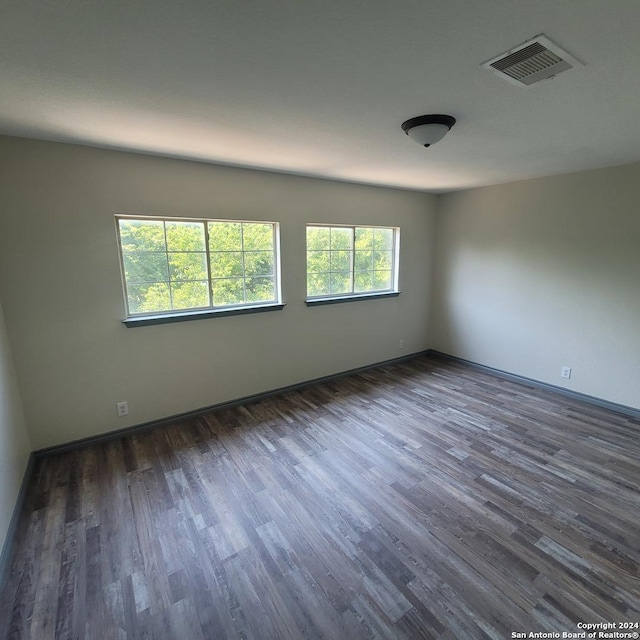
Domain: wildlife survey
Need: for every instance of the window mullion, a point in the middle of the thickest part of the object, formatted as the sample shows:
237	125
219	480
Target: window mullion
331	271
208	256
352	259
373	253
166	253
244	275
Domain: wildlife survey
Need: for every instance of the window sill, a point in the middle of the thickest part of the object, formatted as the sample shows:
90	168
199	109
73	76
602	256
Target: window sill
165	318
316	302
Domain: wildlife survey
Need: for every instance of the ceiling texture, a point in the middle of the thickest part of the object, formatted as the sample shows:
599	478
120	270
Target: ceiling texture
321	87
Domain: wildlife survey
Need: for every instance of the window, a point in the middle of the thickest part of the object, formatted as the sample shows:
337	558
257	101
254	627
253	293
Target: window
176	265
347	262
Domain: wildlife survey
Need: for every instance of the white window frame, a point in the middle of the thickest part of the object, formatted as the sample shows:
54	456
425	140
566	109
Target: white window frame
392	291
177	315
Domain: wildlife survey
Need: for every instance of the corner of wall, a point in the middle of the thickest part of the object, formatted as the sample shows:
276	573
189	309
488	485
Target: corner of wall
15	448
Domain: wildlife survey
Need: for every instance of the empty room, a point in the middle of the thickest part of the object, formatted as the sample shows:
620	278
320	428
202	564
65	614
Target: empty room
319	320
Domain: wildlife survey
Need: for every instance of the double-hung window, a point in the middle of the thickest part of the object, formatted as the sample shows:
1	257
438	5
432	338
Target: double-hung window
184	267
348	261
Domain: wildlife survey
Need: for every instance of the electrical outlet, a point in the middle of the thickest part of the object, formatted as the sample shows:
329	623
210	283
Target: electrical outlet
123	409
401	344
565	372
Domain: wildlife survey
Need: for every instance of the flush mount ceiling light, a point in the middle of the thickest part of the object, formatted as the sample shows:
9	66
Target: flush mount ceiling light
427	130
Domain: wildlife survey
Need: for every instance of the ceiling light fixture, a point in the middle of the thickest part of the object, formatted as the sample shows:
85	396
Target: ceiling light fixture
427	130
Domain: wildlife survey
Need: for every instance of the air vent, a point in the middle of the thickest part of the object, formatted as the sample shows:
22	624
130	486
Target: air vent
531	62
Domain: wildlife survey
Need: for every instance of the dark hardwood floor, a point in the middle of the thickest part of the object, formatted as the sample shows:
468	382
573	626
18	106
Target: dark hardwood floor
425	499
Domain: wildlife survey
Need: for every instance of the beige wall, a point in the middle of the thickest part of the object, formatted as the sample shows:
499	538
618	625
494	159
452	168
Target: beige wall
14	440
530	276
536	275
60	283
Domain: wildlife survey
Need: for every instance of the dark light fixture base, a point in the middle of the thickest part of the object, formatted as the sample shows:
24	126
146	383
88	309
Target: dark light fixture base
427	130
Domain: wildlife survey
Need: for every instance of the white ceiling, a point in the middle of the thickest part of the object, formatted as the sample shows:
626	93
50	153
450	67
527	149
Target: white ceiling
321	87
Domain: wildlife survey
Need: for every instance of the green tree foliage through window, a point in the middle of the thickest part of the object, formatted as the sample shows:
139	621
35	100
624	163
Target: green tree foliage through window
343	261
175	265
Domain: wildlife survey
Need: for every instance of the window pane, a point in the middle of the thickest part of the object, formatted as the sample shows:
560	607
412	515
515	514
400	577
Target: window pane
185	236
383	239
364	238
258	263
341	238
149	297
363	261
188	266
341	282
318	238
190	295
382	280
363	281
382	260
257	237
228	291
141	235
340	260
225	236
318	284
226	265
145	267
318	261
259	289
165	263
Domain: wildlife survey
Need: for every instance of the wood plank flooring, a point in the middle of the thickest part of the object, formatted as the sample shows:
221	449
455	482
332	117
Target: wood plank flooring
421	500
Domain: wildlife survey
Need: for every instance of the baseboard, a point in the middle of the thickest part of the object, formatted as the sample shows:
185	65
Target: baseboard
160	422
10	540
623	409
153	424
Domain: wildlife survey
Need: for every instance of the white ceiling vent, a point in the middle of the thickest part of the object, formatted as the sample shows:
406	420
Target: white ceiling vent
531	61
